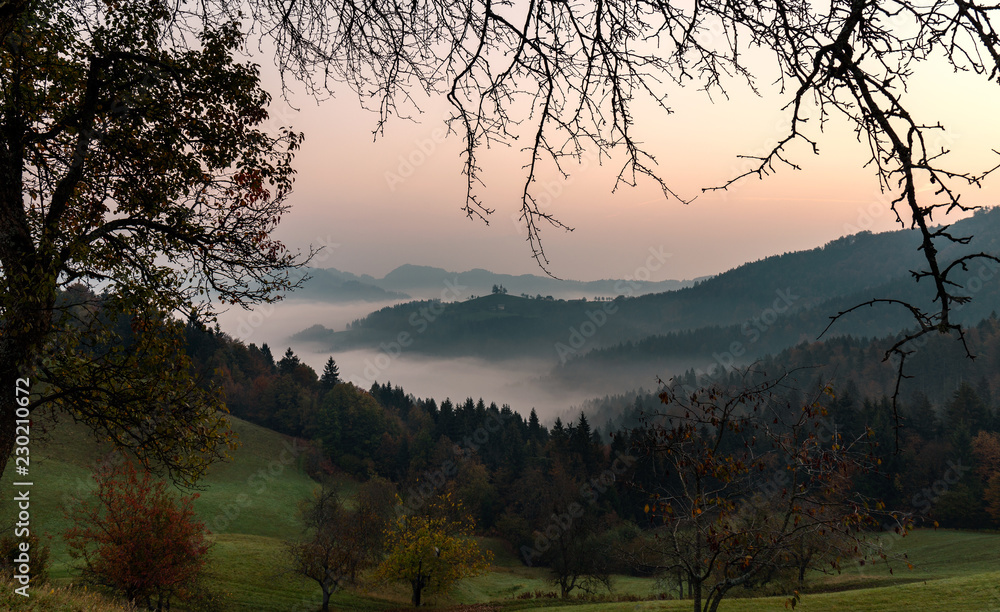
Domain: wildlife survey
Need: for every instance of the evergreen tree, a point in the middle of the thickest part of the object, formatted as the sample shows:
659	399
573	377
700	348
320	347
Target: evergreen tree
558	433
921	418
288	363
447	424
534	427
331	375
266	351
967	408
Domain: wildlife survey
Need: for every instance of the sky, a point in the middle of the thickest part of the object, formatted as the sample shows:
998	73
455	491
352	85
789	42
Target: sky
377	203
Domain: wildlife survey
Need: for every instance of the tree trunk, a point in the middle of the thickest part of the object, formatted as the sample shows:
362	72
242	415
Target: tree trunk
697	575
21	337
28	289
714	599
418	584
326	599
695	586
417	587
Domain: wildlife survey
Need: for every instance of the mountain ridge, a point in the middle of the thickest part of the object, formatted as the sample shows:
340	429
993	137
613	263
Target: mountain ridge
763	306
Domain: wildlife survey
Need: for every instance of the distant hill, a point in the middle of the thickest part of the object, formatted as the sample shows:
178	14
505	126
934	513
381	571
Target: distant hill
330	284
429	282
854	366
765	305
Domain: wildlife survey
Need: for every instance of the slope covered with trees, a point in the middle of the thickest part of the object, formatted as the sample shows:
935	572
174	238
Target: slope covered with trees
766	305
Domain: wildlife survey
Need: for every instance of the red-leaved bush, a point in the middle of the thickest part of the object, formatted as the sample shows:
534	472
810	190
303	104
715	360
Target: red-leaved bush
136	538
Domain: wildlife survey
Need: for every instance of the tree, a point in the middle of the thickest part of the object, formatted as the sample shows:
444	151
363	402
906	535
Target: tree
966	409
289	362
986	447
340	542
135	538
569	541
747	486
330	376
351	424
133	157
433	551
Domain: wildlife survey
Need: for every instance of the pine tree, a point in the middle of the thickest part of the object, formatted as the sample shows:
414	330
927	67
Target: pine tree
967	408
558	433
922	418
534	427
331	375
288	363
266	351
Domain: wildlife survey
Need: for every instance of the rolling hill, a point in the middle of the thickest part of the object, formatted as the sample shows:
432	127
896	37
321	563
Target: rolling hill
765	305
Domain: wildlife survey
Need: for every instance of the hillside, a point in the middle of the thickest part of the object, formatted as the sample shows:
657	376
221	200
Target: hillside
767	305
332	285
249	505
636	363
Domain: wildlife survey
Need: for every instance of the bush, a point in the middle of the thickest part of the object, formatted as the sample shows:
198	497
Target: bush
38	552
136	539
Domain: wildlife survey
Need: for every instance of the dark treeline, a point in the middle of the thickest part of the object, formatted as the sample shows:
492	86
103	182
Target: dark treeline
935	445
518	476
512	473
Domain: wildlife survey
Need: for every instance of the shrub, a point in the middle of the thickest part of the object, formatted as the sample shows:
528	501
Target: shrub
135	538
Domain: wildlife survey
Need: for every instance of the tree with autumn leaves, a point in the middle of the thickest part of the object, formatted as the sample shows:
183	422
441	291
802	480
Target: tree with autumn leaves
749	487
986	448
140	181
432	550
134	537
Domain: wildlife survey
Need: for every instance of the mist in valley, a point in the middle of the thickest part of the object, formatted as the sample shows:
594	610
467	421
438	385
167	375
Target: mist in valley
523	383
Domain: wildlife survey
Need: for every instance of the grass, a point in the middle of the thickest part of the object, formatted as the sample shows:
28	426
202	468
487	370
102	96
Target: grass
49	598
257	493
979	592
952	570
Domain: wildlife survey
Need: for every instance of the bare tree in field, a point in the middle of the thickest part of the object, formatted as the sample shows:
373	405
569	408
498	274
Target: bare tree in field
338	542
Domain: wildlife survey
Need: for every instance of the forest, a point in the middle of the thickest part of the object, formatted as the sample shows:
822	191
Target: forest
511	480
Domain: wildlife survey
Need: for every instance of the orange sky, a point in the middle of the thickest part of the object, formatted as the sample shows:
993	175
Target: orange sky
346	193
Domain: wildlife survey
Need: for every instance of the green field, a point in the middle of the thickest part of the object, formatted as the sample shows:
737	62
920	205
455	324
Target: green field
250	507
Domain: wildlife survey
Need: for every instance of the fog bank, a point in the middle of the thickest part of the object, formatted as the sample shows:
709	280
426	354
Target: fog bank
517	382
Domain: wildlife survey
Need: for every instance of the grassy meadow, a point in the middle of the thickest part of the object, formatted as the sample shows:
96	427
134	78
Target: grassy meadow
250	504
